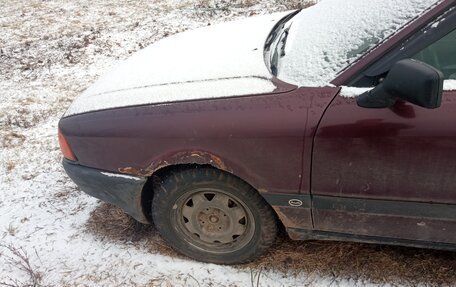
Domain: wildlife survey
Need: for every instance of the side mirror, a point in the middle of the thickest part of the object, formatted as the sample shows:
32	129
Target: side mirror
408	80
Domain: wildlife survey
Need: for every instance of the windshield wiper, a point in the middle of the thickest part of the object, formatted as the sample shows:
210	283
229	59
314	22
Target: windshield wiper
279	49
278	36
283	41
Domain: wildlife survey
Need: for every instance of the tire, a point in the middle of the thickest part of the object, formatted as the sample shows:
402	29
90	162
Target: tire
212	216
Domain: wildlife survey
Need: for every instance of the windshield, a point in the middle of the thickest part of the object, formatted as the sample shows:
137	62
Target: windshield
312	47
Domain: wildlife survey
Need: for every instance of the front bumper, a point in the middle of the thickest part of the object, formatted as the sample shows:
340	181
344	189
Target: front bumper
121	190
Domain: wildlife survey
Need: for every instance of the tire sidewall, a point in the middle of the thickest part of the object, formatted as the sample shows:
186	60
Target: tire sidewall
165	213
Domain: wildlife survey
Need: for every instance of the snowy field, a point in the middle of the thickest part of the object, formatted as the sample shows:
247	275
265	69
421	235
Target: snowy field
52	234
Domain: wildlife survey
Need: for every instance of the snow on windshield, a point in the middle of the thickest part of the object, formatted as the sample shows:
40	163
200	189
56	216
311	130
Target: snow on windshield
326	38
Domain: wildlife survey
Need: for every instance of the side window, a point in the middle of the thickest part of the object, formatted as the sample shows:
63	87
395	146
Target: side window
441	55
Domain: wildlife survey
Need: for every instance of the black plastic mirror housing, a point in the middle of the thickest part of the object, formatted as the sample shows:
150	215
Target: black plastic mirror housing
409	80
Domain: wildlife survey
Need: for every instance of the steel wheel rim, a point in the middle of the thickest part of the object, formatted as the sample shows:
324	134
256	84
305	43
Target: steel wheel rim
214	220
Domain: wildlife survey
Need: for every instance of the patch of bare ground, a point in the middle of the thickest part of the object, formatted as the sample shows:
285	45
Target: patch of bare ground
379	264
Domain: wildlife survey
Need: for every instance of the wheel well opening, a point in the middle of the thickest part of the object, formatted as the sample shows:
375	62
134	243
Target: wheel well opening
147	193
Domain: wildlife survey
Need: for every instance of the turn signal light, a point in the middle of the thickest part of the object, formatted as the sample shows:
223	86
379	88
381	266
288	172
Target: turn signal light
65	147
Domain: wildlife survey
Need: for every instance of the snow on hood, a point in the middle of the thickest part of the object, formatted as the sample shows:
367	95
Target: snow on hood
329	36
211	62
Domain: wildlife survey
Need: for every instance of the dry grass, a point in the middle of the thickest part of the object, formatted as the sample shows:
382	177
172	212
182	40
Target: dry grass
11	229
229	4
11	139
109	222
338	260
373	263
299	4
10	165
19	259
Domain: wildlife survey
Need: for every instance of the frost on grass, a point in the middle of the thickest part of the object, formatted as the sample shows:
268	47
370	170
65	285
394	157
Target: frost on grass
17	258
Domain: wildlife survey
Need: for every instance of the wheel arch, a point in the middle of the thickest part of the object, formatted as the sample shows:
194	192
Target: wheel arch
190	159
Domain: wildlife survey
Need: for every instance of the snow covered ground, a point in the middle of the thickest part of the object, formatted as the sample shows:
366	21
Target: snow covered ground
52	234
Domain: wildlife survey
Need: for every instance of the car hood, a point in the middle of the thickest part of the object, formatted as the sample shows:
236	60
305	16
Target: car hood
216	61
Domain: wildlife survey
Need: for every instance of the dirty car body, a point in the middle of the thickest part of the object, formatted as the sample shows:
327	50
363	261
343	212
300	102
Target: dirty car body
328	166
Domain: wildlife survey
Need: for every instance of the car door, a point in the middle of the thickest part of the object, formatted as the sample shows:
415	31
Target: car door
389	172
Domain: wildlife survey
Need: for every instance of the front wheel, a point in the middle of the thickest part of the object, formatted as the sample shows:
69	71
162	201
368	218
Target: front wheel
212	216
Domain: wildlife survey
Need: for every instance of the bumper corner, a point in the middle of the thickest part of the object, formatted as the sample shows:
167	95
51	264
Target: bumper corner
121	190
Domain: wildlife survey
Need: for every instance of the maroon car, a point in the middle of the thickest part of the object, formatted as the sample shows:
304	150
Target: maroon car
337	121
